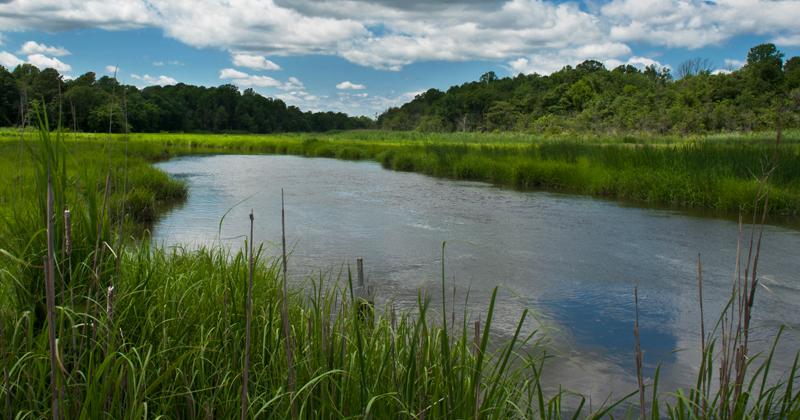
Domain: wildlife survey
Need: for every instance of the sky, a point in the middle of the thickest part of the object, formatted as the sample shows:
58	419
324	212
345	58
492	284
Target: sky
362	57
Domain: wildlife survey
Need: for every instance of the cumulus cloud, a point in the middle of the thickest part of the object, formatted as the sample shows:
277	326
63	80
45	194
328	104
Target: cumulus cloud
787	40
731	65
43	62
349	103
32	47
348	85
10	61
391	34
158	63
160	80
298	97
243	79
176	63
112	69
254	62
695	24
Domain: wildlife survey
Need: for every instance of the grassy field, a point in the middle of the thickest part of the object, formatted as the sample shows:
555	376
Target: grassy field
95	324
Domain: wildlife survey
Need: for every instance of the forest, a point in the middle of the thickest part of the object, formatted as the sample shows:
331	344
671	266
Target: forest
591	98
89	104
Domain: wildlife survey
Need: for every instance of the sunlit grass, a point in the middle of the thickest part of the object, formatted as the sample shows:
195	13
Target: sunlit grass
147	332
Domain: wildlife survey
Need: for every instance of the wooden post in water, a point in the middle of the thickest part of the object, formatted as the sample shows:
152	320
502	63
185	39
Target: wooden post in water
365	297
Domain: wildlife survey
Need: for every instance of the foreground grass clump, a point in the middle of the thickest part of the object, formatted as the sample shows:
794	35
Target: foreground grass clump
136	188
168	339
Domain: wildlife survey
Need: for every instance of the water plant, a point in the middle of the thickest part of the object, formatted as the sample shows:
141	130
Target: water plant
93	324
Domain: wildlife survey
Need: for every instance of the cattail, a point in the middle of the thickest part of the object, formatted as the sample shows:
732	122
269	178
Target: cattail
67	231
5	368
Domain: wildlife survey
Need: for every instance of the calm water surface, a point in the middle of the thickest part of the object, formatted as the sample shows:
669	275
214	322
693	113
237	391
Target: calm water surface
574	259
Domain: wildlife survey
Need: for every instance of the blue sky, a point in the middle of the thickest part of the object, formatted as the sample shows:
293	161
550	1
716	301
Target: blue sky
361	57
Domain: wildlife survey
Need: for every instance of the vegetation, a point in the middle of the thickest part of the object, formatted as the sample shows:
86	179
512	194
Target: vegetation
92	324
89	104
711	171
590	98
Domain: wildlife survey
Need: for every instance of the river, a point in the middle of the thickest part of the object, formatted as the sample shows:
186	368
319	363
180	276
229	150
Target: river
574	259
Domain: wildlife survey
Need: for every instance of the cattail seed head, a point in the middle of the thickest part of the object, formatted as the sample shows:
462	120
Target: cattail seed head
68	231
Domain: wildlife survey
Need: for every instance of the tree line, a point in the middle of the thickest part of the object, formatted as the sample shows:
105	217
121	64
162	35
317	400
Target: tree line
589	97
90	104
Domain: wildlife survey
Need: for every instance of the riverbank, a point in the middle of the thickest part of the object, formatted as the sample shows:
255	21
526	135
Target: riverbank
169	338
719	172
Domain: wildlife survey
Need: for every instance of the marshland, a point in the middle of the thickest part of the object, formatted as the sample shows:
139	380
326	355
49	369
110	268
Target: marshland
505	267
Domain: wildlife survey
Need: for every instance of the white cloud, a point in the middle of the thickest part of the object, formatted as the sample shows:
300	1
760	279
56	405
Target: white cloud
391	34
348	85
112	69
9	61
244	79
232	74
349	103
297	96
32	47
254	62
176	63
158	63
731	65
160	80
787	40
695	24
43	62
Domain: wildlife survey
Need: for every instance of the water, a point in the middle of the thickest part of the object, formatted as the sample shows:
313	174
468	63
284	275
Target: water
575	259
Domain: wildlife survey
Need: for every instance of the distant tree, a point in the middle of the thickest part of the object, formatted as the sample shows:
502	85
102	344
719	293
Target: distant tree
658	76
9	98
590	66
101	116
581	92
764	67
694	66
791	64
430	96
220	119
626	69
791	69
764	54
488	77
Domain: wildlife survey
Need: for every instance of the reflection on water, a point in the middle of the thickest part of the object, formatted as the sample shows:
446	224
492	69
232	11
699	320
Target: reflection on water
573	258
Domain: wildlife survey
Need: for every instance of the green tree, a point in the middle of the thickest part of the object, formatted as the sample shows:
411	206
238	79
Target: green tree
764	67
488	77
220	119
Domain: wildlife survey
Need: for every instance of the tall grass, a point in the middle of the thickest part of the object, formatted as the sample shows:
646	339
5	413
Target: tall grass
714	172
145	331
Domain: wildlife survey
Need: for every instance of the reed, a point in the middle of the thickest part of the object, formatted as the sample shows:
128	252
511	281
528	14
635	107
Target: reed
159	345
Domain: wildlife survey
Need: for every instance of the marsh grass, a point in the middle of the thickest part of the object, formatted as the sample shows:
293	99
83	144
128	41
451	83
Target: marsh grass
718	172
146	331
